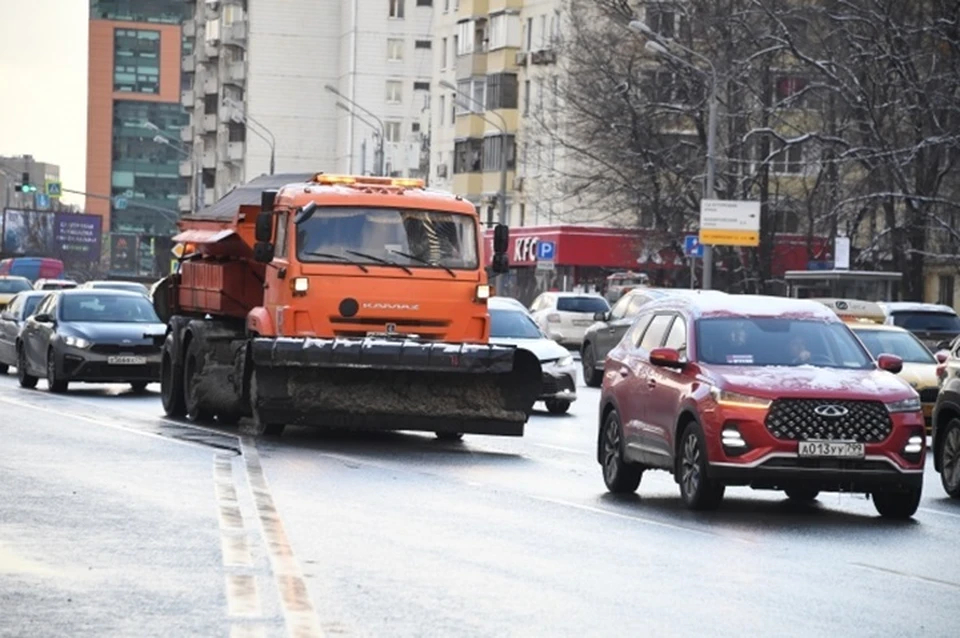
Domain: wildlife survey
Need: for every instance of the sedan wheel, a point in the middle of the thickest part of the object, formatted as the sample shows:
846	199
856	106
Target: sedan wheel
557	406
620	476
54	383
591	376
950	459
26	380
699	491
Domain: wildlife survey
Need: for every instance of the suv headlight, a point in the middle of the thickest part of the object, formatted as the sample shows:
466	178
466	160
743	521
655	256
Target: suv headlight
906	405
735	399
563	362
77	342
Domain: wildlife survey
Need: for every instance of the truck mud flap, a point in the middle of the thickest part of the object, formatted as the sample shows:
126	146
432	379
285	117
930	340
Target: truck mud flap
387	384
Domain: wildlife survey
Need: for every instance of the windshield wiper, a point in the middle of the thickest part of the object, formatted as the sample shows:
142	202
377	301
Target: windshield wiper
380	260
341	258
425	261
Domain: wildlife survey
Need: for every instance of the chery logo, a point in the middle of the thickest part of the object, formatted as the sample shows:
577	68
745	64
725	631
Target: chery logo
525	249
377	305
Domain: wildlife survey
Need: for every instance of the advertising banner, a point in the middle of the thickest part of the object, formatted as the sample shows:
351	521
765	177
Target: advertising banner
77	237
123	254
28	232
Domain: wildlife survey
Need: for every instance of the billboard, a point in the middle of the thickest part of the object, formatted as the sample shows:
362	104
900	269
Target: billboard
77	237
69	236
123	254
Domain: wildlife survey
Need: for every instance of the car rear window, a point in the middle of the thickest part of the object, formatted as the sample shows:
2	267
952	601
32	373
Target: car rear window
926	321
583	304
8	286
775	341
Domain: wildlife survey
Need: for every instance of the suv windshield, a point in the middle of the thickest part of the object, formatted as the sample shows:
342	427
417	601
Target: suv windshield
512	324
107	308
8	286
902	344
923	321
589	305
778	341
429	237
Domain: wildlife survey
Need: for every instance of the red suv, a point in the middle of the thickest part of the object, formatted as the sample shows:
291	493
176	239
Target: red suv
767	392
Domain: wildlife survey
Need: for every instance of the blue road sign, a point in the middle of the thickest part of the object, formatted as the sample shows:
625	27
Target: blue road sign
120	203
41	200
54	188
546	250
692	246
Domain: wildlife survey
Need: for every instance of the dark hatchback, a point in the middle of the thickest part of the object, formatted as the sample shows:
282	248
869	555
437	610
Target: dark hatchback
91	336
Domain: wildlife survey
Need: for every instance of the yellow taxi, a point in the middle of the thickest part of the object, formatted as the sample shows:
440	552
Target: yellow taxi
866	320
10	286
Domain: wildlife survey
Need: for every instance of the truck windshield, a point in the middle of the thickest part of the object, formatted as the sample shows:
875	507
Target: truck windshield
429	238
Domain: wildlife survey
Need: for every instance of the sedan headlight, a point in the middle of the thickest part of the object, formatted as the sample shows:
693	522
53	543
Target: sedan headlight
563	362
77	342
735	399
906	405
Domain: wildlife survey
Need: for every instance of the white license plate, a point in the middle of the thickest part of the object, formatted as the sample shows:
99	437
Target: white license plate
832	449
126	361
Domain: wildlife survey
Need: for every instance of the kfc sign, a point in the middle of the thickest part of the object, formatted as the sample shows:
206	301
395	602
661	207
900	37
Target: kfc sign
525	249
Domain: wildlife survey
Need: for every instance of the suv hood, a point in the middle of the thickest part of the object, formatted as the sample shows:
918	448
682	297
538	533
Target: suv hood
774	382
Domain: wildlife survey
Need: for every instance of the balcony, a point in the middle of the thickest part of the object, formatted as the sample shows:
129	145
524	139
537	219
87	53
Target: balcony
186	133
236	73
188	63
211	51
471	64
186	168
185	203
187	98
235	151
190	28
543	56
210	123
211	86
235	34
209	159
211	10
471	8
498	6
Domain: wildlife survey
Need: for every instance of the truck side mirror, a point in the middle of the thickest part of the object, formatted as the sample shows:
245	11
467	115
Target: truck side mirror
501	237
264	228
500	263
263	252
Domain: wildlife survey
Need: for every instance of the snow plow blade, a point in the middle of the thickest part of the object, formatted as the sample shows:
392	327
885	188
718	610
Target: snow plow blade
394	384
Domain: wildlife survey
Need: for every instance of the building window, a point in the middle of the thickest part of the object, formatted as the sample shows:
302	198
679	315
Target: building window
468	156
415	127
474	88
424	3
236	132
465	37
443	53
493	153
453	107
792	89
502	91
421	86
394	92
392	131
136	61
396	8
788	161
945	293
394	49
210	104
666	87
504	31
528	45
423	44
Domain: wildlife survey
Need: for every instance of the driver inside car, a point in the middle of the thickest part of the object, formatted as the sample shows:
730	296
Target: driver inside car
799	350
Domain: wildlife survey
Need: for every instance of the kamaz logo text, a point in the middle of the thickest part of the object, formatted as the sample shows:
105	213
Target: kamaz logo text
391	306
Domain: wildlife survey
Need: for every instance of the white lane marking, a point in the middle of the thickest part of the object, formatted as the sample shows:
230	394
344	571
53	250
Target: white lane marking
930	510
560	448
248	631
236	551
894	572
242	590
299	613
102	423
243	596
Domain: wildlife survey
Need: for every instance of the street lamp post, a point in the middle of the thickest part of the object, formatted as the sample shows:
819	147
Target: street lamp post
241	115
378	160
163	138
377	135
503	146
660	46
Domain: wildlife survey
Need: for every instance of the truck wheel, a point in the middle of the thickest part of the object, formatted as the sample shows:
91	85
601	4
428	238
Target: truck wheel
192	372
897	505
171	383
255	426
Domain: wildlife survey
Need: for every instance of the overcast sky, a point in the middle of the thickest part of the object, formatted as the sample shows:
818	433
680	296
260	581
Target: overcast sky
43	84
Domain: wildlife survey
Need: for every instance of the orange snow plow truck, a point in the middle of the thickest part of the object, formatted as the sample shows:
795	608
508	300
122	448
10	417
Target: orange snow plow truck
343	302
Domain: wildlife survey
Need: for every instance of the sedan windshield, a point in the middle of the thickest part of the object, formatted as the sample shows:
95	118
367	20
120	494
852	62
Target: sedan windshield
121	285
107	308
512	324
589	305
902	344
778	341
8	286
927	321
413	238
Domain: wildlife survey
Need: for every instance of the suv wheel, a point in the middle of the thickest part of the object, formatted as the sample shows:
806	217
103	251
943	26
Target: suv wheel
949	460
897	505
699	491
591	376
620	476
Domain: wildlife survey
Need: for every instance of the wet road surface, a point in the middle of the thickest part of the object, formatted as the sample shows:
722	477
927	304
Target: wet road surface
116	521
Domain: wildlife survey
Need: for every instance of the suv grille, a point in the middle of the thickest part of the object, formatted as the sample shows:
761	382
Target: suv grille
797	420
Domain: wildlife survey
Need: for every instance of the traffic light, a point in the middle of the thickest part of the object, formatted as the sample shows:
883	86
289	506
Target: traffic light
25	186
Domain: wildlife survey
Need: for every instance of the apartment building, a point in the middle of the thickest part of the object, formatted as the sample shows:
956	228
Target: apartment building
12	170
303	85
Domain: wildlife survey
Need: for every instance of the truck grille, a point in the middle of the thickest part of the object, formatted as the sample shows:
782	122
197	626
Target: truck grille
797	420
929	395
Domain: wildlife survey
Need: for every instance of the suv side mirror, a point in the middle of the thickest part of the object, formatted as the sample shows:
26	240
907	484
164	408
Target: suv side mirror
263	252
891	363
264	227
666	358
942	356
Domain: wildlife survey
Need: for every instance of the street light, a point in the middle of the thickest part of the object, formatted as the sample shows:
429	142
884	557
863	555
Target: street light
377	135
379	159
180	147
503	146
241	116
659	46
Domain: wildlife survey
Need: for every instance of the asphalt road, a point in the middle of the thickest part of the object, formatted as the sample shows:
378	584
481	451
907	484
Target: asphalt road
116	522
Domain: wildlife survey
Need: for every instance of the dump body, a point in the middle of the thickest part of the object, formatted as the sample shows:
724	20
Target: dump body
367	310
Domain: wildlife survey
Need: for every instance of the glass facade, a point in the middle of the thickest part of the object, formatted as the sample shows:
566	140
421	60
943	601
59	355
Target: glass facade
145	172
136	61
159	11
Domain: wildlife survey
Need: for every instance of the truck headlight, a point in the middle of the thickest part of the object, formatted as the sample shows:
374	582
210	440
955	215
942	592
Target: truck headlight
76	342
483	292
906	405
